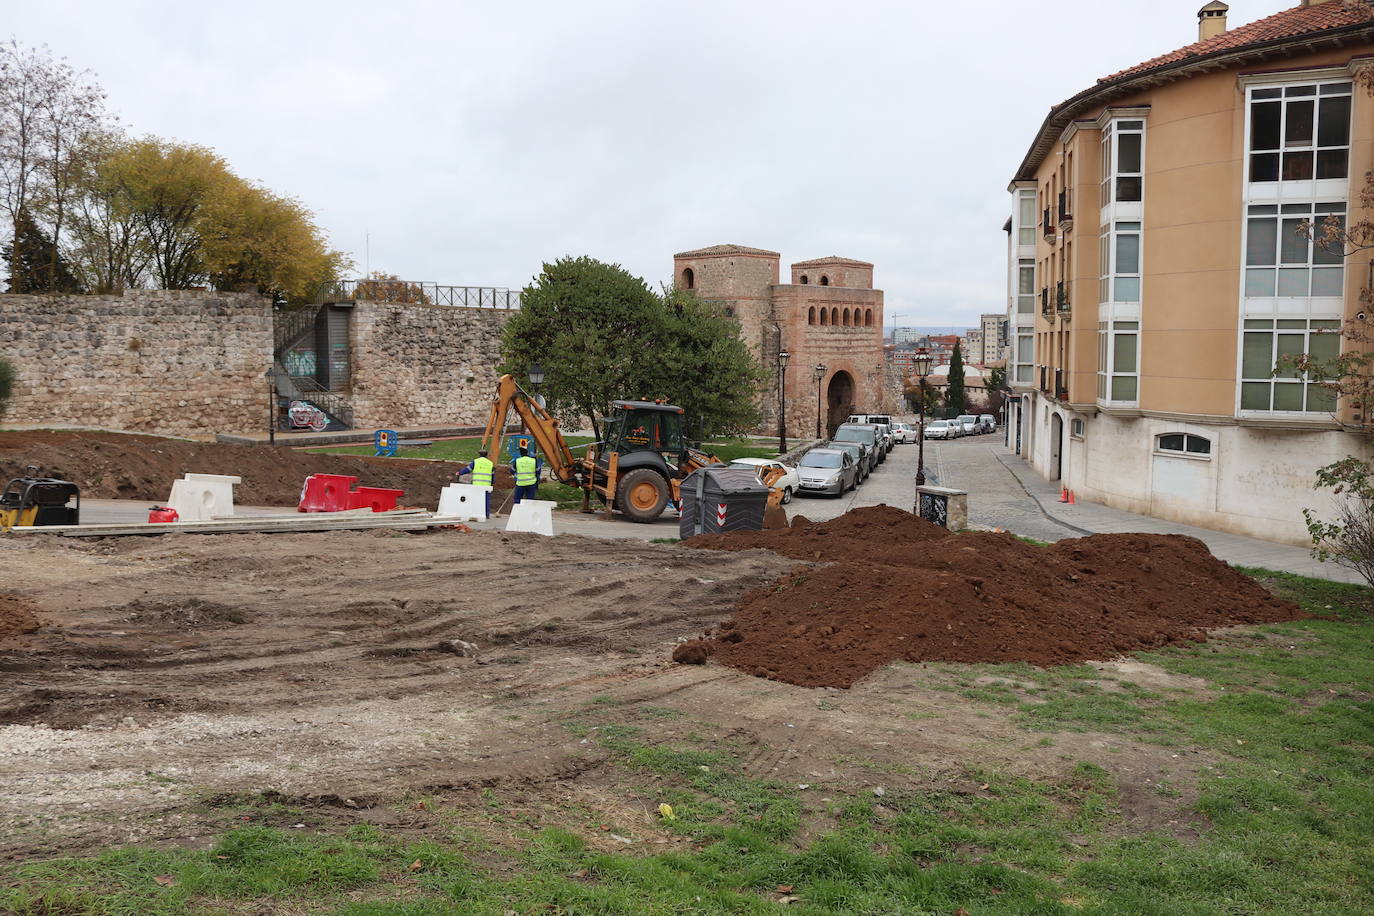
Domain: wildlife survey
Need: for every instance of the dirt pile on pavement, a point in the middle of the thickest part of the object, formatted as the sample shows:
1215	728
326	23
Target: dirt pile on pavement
896	591
116	466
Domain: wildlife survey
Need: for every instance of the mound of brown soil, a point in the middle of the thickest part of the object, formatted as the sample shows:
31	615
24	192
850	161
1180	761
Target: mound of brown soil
16	617
115	466
894	591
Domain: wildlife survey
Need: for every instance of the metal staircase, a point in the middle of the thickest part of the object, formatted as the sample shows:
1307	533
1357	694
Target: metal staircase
290	330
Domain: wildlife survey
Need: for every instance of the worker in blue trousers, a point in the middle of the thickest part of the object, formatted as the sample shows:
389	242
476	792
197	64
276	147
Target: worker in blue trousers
482	470
526	471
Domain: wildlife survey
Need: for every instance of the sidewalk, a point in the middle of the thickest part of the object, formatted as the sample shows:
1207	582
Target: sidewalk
1238	550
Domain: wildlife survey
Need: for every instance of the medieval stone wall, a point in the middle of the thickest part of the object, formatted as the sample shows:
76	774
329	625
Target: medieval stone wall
178	362
424	365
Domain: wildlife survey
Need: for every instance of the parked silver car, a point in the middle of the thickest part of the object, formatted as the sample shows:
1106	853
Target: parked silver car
827	470
856	452
968	422
987	423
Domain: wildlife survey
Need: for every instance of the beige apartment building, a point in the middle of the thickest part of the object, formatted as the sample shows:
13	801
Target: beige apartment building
1157	271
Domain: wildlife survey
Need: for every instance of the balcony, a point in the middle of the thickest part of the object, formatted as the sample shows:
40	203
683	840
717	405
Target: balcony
1043	386
1065	210
1061	391
1061	298
1047	225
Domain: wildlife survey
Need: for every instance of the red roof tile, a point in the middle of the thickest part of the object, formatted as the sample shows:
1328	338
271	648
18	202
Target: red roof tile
1292	22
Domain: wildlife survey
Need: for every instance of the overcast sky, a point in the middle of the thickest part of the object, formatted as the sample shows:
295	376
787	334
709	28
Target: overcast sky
472	141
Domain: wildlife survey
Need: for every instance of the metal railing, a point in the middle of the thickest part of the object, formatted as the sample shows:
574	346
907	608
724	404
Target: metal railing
306	388
1046	224
289	327
1065	213
420	293
1060	390
1061	297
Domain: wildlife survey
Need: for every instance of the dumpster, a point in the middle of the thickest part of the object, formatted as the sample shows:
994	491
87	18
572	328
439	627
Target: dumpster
720	499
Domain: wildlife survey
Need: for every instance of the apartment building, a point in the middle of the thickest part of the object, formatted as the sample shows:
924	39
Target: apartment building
1157	269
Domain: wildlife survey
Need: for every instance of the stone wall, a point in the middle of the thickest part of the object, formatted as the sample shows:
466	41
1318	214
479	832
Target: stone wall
424	365
177	362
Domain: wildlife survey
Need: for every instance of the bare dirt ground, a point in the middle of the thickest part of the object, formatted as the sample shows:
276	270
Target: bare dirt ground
165	674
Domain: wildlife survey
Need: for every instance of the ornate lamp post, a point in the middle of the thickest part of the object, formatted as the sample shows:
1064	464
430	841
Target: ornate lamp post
818	374
783	357
921	362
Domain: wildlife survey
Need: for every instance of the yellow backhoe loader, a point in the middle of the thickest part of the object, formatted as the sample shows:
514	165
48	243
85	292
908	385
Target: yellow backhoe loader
636	469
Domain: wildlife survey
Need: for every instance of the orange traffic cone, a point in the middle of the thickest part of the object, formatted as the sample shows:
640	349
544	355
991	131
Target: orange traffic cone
1063	494
1071	499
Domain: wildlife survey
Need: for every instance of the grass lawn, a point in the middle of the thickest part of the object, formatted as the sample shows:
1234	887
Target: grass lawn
1281	822
466	449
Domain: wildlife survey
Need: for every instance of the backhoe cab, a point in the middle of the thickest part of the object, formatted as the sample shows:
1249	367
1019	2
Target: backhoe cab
643	458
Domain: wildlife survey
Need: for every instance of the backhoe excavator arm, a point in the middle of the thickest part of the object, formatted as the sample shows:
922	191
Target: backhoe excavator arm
543	428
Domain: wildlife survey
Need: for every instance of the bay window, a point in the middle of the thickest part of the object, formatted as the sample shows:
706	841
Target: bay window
1298	133
1123	147
1265	341
1119	263
1118	361
1282	261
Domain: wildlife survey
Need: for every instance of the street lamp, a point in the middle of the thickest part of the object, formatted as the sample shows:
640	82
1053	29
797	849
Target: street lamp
818	373
783	357
536	379
921	361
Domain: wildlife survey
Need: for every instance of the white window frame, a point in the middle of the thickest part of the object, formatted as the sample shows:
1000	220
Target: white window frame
1112	132
1159	449
1287	93
1107	372
1108	255
1286	218
1324	327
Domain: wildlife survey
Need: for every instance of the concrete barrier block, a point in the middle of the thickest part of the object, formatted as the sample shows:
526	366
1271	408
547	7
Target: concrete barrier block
534	515
201	497
463	501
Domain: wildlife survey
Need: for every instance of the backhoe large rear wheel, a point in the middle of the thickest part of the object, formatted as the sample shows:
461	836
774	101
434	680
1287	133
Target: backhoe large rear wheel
641	495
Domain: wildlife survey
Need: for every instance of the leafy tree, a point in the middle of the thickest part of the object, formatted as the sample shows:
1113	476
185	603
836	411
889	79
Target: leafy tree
46	110
955	397
36	266
384	287
590	325
602	334
110	249
703	366
7	376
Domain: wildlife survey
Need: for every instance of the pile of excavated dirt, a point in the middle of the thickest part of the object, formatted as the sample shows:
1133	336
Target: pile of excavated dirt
117	466
896	587
16	617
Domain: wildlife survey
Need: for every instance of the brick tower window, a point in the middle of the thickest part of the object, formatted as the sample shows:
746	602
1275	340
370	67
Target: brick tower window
811	315
868	318
825	316
825	281
845	318
804	279
689	279
834	315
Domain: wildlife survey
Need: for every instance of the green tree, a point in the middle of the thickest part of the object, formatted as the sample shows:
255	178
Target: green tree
955	397
593	327
36	266
705	367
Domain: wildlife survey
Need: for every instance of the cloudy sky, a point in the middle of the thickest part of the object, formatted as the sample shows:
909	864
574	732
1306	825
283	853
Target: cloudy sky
465	143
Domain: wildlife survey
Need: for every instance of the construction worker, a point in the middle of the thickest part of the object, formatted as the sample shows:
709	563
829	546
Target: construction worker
526	471
482	470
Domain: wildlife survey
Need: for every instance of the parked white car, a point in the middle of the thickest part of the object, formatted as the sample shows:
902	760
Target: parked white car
903	432
789	482
968	422
987	423
942	429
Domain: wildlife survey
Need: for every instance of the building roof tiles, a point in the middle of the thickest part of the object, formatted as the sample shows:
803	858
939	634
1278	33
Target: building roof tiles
715	250
1286	24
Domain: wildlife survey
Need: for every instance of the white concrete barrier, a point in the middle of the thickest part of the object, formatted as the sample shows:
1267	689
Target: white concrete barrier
533	515
463	501
201	497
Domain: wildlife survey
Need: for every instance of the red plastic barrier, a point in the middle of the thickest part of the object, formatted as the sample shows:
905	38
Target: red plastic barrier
327	493
162	514
378	499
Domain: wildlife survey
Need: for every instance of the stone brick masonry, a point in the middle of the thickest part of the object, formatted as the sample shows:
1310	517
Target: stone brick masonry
180	362
423	365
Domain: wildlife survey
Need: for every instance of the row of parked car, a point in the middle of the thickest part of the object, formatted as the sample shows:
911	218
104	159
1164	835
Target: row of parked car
963	425
852	454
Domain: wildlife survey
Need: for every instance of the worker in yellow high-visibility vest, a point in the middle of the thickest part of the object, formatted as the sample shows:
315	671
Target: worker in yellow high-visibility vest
482	469
526	470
